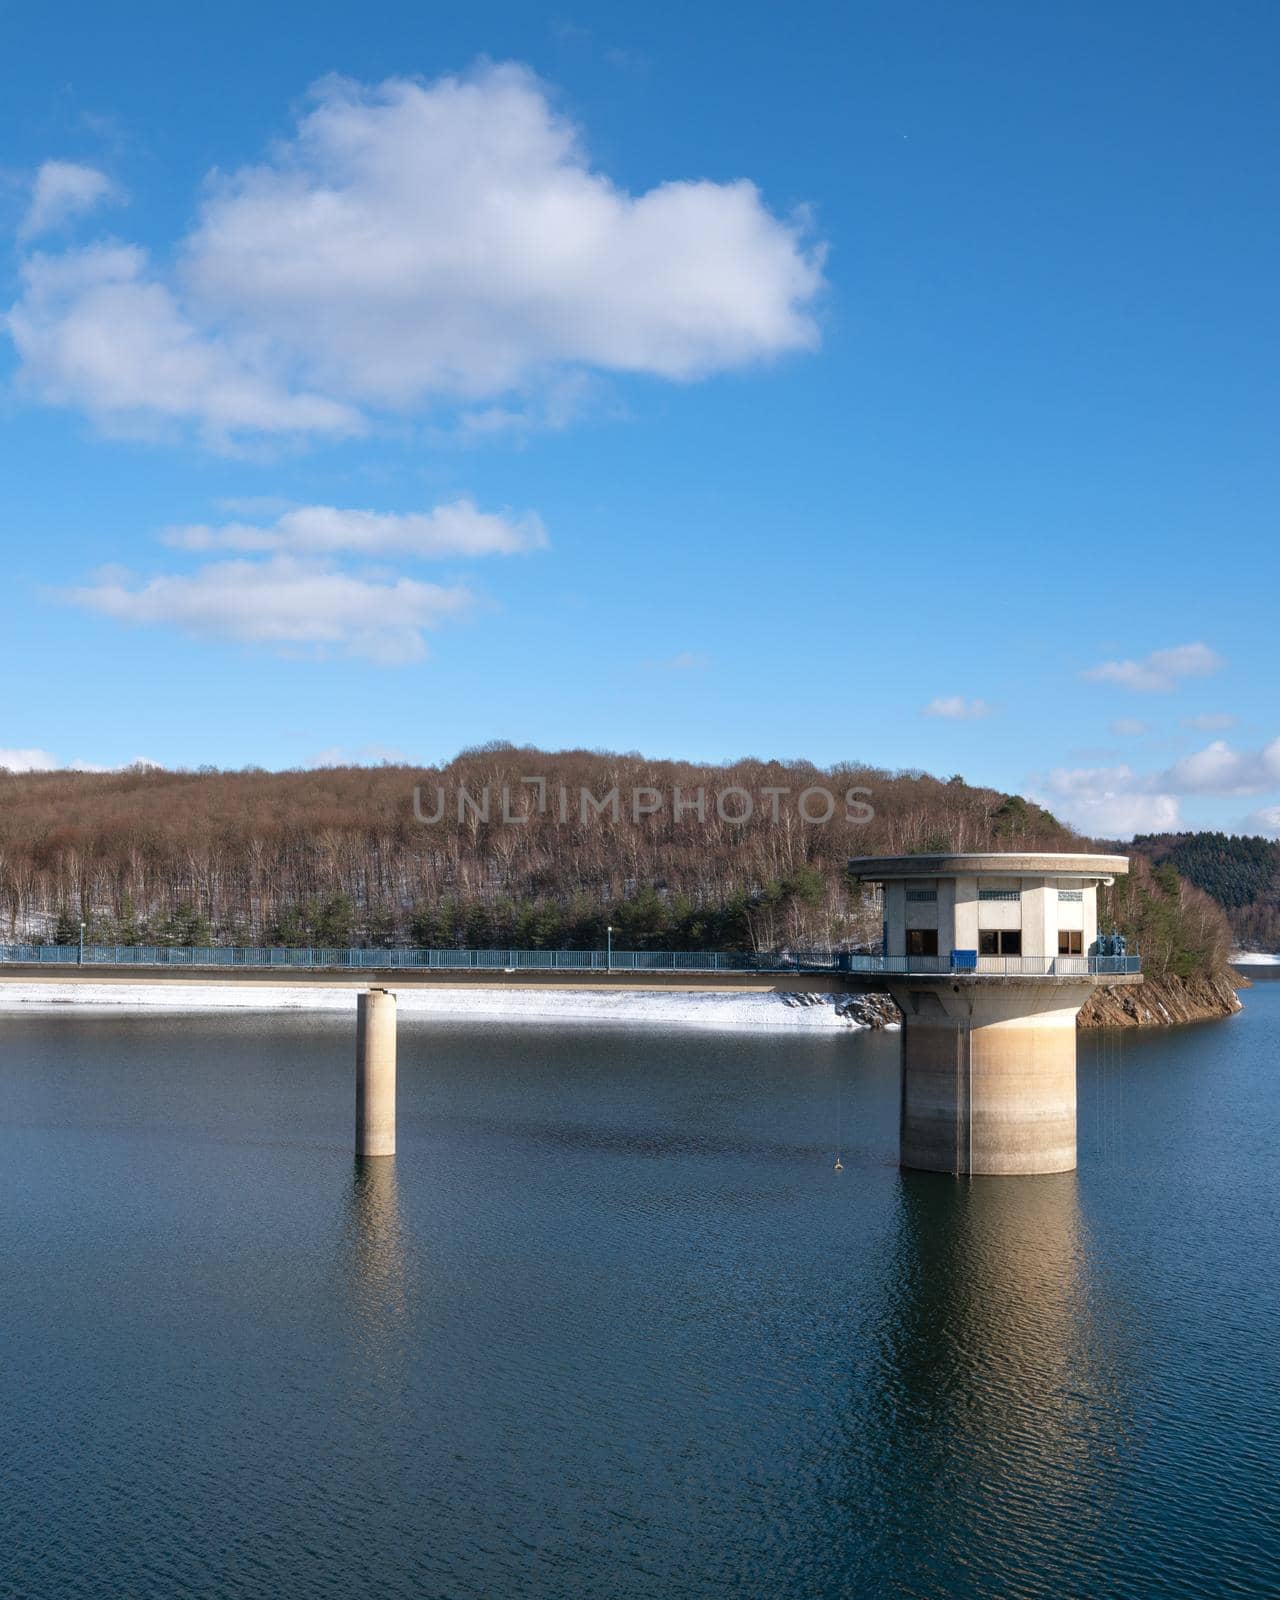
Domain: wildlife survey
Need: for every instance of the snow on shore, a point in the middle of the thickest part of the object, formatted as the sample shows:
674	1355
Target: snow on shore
1254	958
810	1012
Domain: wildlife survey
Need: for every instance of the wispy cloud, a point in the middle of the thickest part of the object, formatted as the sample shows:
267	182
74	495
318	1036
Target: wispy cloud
44	761
62	191
294	606
1265	821
1129	728
365	755
1161	671
955	708
1211	721
299	584
457	529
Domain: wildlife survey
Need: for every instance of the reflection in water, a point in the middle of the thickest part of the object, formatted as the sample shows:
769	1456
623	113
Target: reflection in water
997	1395
610	1325
374	1264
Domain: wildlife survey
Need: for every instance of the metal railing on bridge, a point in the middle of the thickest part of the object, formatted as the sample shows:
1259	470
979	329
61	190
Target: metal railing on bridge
992	966
798	961
122	955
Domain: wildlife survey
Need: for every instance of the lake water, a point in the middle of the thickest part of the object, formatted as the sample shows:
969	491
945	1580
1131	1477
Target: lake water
611	1325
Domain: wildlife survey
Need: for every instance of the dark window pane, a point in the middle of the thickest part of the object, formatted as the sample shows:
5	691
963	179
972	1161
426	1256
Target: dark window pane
1011	942
988	943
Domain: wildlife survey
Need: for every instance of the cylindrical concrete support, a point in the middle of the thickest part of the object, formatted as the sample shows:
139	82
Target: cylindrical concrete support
376	1073
989	1076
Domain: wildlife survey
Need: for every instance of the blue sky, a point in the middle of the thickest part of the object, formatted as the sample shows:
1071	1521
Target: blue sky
888	382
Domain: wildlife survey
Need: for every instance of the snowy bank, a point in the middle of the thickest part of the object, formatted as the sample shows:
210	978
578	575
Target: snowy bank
631	1007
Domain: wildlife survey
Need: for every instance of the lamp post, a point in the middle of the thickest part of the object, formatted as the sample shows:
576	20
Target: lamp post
80	958
608	959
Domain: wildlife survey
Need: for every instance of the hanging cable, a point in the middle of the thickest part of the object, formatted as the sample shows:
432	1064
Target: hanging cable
839	1164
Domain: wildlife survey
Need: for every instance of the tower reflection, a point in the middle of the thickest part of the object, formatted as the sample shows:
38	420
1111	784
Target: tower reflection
998	1398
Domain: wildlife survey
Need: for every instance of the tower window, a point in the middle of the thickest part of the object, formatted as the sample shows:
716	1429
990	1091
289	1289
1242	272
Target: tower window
1000	942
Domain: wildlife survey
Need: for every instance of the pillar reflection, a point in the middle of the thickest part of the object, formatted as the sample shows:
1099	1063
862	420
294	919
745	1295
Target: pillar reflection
375	1259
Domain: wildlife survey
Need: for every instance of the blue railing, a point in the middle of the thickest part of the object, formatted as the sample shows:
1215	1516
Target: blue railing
964	963
123	955
798	961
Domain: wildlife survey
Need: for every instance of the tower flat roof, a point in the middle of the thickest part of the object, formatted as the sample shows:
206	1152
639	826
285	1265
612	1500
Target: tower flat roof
991	864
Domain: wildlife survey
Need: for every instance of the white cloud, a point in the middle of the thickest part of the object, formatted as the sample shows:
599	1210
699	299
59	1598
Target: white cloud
1219	769
1117	801
61	191
367	755
1129	728
560	400
297	596
43	761
27	761
1265	821
93	329
457	529
1109	802
1110	815
1211	721
417	243
291	605
1161	671
80	765
956	708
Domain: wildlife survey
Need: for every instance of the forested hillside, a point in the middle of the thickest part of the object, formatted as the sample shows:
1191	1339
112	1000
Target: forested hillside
1179	929
1240	872
400	855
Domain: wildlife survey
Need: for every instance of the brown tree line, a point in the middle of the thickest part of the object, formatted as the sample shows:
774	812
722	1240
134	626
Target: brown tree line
339	855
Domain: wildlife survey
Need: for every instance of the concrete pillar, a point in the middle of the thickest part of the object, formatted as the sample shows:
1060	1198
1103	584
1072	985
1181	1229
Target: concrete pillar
964	934
376	1073
989	1074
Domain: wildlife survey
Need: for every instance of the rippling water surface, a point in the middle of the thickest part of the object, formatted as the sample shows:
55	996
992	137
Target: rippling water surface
611	1325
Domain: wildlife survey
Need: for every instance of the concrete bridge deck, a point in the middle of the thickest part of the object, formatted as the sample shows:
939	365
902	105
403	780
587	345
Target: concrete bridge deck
782	980
705	982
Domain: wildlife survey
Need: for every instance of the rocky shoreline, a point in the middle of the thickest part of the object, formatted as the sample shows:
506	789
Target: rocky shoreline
1155	1003
869	1010
1160	1002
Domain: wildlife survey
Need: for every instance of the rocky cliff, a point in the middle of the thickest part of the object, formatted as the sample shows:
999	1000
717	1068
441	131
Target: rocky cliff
1157	1002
